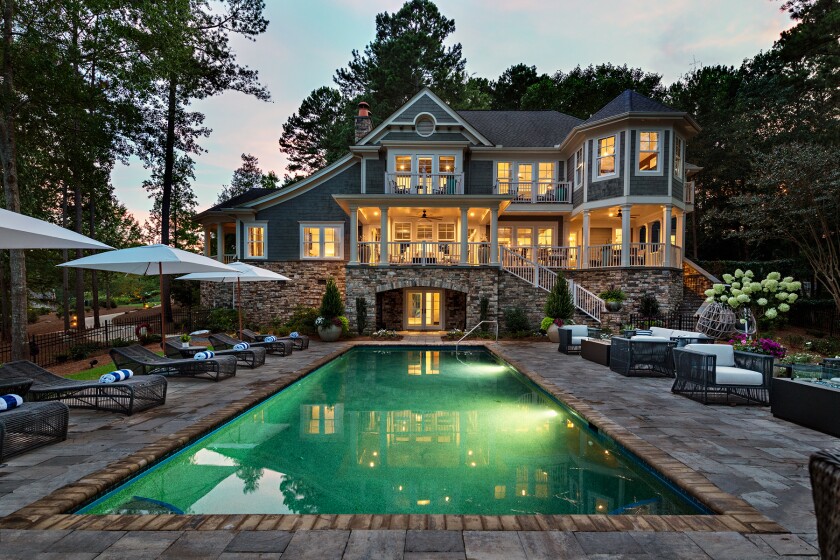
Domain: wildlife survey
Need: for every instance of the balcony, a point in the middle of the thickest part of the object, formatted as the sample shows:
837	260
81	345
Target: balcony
433	184
424	253
554	192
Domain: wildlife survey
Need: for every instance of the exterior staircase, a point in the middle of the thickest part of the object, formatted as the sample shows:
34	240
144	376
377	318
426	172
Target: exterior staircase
544	278
696	280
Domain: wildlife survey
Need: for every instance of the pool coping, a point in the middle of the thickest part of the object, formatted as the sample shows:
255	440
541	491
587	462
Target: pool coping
50	512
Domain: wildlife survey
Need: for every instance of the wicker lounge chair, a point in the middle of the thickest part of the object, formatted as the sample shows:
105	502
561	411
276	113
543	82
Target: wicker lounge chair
641	355
127	397
32	425
708	370
301	342
825	484
144	361
279	347
252	357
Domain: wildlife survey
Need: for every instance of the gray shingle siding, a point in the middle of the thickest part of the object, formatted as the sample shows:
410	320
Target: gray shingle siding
479	178
608	188
678	189
316	205
577	197
650	185
414	137
425	105
375	175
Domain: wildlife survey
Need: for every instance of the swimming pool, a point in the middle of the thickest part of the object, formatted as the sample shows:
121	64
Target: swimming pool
402	430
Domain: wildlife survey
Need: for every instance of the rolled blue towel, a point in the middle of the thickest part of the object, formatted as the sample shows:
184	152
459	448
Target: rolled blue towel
270	339
241	346
294	334
114	376
8	402
206	355
644	332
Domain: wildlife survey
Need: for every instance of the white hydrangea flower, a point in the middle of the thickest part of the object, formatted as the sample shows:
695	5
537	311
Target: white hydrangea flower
749	274
739	273
762	302
774	276
792	297
733	302
784	308
736	285
788	279
709	293
755	286
728	278
735	292
710	299
796	286
724	298
771	313
782	296
719	288
746	290
743	298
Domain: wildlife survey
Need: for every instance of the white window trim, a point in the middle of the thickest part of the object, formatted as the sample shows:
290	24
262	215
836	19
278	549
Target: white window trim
434	154
514	171
597	158
434	124
575	163
661	139
534	226
679	172
247	248
322	225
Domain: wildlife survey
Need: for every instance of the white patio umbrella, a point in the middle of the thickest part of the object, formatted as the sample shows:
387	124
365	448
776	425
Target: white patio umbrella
150	260
18	231
243	273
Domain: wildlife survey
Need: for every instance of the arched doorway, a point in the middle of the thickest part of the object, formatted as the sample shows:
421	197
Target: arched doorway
421	307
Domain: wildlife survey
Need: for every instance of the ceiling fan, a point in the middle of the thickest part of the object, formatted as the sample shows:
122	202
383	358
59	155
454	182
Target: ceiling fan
425	217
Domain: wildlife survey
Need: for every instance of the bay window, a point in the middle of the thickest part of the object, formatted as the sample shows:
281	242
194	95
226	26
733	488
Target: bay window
605	157
649	147
322	241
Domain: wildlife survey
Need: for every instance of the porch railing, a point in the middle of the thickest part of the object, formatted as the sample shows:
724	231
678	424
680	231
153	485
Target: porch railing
229	257
536	191
424	183
641	254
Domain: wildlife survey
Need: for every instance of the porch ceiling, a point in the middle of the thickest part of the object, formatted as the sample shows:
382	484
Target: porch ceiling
421	201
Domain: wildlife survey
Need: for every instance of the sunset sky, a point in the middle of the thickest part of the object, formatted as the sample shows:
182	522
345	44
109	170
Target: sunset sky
307	41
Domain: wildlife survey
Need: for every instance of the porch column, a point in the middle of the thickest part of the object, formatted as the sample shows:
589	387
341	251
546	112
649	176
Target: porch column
494	236
237	250
585	240
220	242
625	235
383	236
464	234
354	235
680	234
666	234
207	238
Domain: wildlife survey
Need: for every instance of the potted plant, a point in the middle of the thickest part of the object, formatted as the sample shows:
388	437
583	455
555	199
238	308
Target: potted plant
559	309
329	323
185	340
613	298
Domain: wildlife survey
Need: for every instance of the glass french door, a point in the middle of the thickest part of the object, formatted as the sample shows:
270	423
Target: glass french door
423	310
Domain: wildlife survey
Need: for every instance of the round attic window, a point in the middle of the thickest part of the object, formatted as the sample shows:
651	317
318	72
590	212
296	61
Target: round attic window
424	125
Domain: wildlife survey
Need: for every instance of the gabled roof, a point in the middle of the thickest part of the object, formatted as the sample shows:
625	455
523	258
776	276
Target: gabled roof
629	101
240	199
519	129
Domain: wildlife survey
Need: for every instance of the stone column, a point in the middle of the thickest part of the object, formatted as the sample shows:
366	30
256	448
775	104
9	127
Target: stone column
220	242
354	235
585	241
383	236
666	234
464	233
494	235
625	235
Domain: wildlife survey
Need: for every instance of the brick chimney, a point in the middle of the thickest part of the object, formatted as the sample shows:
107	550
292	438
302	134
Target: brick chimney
363	123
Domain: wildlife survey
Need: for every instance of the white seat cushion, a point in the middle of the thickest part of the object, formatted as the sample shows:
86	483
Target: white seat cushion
725	353
576	340
659	331
686	334
645	338
578	330
725	375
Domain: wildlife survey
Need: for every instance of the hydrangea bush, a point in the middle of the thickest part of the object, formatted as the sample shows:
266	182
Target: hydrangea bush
766	346
766	298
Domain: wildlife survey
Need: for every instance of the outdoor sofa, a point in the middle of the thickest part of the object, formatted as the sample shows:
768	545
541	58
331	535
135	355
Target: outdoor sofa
300	342
32	425
143	361
711	370
279	347
824	468
126	397
640	352
681	337
572	335
252	357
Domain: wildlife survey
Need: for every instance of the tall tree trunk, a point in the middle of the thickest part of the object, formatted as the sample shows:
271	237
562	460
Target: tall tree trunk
8	158
4	299
94	285
65	272
80	272
166	197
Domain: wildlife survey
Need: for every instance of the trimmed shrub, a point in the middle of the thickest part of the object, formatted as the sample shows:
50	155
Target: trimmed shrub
516	320
32	315
331	304
483	311
361	314
648	306
222	320
303	320
560	304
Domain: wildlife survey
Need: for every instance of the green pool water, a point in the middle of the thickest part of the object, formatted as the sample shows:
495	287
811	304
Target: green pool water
387	431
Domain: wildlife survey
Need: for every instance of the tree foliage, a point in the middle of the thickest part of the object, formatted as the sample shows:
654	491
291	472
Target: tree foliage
246	177
560	304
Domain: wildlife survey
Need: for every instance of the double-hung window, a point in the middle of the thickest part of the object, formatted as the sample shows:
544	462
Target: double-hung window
605	157
255	241
649	146
322	241
678	157
579	167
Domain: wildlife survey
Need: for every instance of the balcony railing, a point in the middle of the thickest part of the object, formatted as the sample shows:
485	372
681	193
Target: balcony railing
424	183
424	253
229	257
536	191
641	254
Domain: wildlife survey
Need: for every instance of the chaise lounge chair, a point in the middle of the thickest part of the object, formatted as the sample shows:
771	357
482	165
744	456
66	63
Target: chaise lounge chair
144	361
252	357
301	342
32	425
126	397
281	347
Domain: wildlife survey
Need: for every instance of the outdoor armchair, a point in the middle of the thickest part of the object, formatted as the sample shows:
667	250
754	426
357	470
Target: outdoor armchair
143	361
824	468
127	397
281	347
32	425
710	370
572	335
252	357
641	355
301	342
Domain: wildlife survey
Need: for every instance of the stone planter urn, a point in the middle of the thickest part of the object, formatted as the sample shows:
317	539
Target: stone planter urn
185	345
613	306
330	333
553	333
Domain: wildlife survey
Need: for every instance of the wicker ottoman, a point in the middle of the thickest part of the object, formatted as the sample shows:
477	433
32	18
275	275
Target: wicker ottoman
32	425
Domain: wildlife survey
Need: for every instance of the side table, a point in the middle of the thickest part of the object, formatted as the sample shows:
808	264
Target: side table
595	350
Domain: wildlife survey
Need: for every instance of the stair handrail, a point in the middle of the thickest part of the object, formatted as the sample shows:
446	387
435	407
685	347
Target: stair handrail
468	333
587	302
702	271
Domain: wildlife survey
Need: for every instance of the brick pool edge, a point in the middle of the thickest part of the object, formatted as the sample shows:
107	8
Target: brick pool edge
50	512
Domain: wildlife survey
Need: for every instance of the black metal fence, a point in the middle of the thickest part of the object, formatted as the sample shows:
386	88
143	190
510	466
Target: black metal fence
58	347
822	319
678	321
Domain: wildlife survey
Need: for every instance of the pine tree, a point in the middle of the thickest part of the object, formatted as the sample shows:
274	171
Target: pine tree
331	304
248	176
560	304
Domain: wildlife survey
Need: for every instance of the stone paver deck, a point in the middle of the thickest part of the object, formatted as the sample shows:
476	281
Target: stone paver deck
743	450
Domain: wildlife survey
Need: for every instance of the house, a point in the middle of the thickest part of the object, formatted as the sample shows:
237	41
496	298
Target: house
434	210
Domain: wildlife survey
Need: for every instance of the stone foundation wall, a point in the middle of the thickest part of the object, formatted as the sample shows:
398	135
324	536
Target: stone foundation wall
263	302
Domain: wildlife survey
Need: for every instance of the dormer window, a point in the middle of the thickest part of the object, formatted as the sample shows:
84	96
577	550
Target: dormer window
424	125
649	147
605	157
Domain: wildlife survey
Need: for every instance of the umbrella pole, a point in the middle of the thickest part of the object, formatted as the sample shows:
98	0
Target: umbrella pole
239	304
162	310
